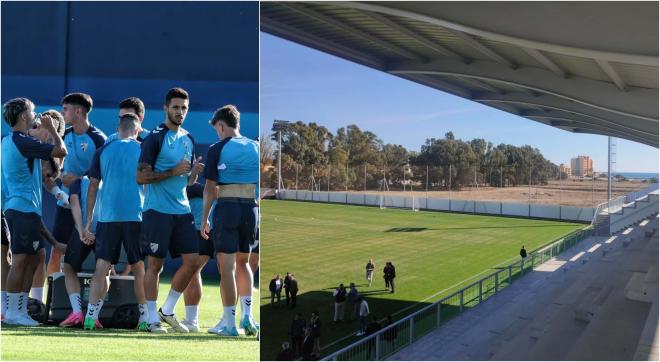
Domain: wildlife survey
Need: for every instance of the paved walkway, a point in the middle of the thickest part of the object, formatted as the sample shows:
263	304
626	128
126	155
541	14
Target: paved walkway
597	301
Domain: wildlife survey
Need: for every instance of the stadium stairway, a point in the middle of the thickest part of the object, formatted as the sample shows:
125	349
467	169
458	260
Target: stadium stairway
597	301
635	211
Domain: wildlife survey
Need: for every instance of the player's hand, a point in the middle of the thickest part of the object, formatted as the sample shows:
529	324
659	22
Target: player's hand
68	178
60	247
204	230
64	197
47	123
181	168
198	166
88	238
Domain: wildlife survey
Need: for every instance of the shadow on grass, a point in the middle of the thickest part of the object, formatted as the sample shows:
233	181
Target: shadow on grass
116	333
276	319
412	229
405	230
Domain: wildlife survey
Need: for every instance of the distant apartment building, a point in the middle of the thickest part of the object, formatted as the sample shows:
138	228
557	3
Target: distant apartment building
582	166
565	170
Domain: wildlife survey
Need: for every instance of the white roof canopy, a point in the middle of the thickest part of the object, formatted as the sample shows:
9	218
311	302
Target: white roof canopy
584	67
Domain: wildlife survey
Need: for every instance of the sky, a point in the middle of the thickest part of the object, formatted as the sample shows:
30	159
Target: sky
298	83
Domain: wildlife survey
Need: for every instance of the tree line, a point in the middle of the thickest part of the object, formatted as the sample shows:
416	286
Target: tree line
355	158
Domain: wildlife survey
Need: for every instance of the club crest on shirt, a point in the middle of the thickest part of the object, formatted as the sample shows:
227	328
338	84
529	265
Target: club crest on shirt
222	166
35	245
153	247
84	146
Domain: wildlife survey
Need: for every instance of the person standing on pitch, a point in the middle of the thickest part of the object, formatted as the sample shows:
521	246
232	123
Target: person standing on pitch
391	275
523	256
293	288
193	293
136	106
339	296
119	218
386	275
81	140
232	175
21	170
166	159
370	271
287	291
275	288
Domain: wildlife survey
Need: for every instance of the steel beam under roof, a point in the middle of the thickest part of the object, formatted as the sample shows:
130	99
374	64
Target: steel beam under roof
574	66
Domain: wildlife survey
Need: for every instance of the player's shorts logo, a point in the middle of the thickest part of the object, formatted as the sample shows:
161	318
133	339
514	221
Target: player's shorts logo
35	245
153	247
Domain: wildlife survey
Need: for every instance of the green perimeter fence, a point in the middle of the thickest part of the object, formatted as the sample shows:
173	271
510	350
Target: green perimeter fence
404	332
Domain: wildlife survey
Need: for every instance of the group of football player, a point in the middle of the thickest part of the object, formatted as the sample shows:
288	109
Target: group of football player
138	189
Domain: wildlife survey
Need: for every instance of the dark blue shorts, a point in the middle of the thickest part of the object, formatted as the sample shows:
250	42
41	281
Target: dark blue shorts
111	235
6	235
234	225
77	252
24	228
206	246
63	228
161	233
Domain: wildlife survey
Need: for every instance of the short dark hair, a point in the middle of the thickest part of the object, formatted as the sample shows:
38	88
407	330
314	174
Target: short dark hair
175	93
228	114
13	108
59	121
79	99
127	121
133	103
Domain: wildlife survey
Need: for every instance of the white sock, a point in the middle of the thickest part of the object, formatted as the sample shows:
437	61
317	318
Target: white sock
3	302
76	303
37	293
153	312
100	304
191	312
246	305
170	302
229	316
23	306
91	310
13	300
144	313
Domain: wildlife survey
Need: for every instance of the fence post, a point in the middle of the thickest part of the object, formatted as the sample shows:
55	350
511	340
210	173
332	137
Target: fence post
497	281
378	347
462	290
533	255
509	274
412	325
480	289
437	324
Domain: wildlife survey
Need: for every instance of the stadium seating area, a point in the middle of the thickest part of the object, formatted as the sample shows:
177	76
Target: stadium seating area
598	301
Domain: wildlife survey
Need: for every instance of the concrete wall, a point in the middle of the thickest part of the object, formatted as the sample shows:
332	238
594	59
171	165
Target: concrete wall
568	213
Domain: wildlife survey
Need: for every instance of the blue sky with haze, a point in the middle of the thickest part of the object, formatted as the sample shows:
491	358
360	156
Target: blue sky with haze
299	83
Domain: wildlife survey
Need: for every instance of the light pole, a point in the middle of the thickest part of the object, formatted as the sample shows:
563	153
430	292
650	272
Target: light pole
279	126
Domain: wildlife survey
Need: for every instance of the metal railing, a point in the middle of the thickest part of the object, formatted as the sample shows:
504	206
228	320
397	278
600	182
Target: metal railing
404	332
643	192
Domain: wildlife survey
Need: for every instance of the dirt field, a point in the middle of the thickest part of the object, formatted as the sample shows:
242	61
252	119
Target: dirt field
570	193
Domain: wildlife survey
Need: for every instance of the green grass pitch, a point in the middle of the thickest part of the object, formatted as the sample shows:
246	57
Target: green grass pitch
54	343
434	253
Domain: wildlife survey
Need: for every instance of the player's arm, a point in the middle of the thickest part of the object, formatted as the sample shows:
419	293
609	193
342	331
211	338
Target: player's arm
58	144
210	193
50	238
76	212
197	168
147	175
92	191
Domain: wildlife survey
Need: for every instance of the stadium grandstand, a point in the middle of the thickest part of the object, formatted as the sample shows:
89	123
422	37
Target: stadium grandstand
577	66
